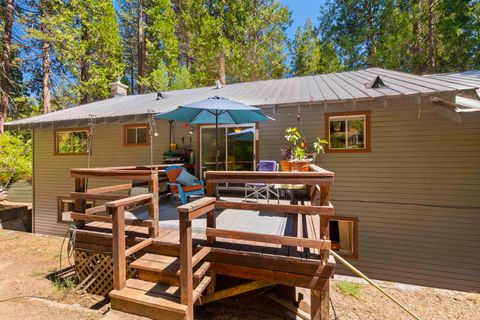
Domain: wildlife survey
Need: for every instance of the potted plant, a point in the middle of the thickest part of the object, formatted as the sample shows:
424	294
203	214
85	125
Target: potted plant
298	153
285	161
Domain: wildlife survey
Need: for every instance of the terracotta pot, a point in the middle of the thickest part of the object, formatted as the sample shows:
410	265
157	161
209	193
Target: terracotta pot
285	165
302	165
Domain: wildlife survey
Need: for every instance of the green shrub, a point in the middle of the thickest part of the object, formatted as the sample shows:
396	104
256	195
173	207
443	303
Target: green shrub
349	288
15	158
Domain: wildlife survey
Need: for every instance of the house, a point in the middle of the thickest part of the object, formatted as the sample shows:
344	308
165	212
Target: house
405	150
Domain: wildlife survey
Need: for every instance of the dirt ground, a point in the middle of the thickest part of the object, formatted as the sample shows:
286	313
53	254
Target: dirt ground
26	260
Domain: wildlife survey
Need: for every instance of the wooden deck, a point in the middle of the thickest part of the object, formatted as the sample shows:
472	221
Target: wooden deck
183	260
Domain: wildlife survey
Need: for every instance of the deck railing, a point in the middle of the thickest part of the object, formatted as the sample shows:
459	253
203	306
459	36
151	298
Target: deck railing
115	207
317	180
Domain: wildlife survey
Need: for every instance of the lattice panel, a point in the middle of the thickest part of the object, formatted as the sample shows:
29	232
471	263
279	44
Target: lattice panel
95	272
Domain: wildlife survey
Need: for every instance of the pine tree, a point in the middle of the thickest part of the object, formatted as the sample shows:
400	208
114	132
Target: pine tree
311	55
7	13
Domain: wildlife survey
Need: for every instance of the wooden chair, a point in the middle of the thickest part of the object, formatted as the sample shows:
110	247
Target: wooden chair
176	189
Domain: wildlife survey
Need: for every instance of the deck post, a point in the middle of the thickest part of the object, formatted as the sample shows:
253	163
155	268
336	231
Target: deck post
211	189
153	210
320	307
211	223
118	248
80	204
186	269
324	222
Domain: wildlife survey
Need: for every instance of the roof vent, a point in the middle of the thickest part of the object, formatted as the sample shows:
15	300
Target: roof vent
218	84
376	83
160	96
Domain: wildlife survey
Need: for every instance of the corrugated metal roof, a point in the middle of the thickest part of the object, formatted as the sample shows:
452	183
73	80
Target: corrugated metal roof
466	78
324	88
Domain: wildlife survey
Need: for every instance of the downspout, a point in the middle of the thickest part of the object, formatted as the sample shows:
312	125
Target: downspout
33	180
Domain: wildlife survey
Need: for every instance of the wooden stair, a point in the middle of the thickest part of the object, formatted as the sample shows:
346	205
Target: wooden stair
165	269
156	294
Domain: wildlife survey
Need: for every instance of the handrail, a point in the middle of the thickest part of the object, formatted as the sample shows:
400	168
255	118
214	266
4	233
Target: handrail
116	208
129	200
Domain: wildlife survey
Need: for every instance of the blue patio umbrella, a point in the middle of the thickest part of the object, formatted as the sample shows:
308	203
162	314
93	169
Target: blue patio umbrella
243	135
215	110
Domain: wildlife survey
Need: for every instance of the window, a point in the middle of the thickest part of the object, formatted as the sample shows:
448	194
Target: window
71	141
136	135
65	206
348	131
344	235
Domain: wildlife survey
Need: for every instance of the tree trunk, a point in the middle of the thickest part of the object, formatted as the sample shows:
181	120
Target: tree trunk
221	72
141	47
5	68
431	36
372	35
84	69
46	97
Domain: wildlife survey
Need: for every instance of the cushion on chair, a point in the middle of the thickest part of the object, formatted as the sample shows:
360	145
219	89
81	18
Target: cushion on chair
187	179
192	188
173	173
267	165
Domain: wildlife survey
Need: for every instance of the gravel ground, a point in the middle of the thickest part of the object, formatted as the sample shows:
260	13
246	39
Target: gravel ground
26	260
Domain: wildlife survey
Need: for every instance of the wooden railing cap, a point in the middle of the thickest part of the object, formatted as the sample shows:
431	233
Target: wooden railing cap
129	200
195	205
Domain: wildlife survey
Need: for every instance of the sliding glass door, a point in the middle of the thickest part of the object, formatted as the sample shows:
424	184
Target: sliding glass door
236	145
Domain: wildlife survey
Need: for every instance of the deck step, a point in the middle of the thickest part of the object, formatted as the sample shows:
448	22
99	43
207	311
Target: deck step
165	269
156	301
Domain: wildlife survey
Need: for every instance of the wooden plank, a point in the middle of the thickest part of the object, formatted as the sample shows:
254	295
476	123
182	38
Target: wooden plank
186	269
129	200
320	306
274	239
200	255
108	189
93	197
138	247
96	209
108	219
277	277
257	260
230	292
195	205
283	177
80	204
211	223
273	207
118	248
153	207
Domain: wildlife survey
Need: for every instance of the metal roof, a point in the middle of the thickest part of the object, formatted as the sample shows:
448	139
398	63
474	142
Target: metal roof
323	88
467	78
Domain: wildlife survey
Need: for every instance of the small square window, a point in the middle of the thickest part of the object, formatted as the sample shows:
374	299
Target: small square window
136	135
344	235
348	131
71	141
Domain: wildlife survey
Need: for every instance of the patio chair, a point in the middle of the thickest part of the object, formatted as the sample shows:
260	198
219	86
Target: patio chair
183	191
263	190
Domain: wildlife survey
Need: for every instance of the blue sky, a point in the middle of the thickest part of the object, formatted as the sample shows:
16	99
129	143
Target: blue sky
301	10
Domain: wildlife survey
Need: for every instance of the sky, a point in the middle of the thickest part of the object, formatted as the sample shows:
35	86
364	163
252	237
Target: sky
301	10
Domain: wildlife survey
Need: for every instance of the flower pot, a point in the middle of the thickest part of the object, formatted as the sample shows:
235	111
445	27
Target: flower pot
285	165
300	165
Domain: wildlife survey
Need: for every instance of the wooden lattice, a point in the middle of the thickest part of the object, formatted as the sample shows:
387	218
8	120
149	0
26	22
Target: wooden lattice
95	272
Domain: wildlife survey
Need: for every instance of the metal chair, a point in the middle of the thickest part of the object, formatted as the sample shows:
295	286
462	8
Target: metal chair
263	190
183	192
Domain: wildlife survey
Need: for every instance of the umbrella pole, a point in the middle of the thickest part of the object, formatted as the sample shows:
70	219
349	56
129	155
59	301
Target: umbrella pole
216	140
